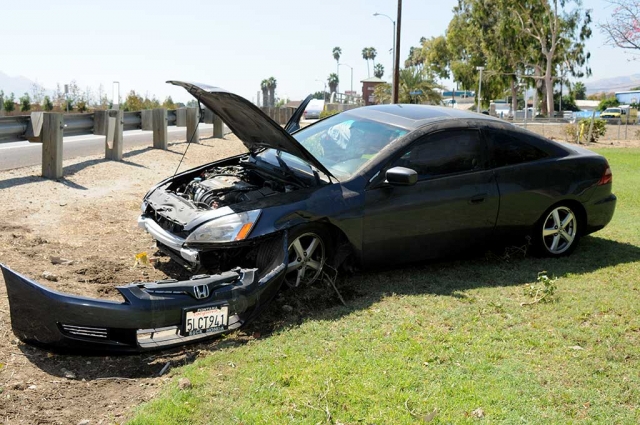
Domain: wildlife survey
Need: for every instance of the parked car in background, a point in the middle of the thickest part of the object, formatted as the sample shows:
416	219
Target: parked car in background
314	108
612	113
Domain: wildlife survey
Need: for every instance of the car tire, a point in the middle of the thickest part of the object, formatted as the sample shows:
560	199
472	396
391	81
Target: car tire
557	232
310	248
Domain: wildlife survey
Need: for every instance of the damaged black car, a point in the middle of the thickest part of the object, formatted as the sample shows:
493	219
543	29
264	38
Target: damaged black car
373	186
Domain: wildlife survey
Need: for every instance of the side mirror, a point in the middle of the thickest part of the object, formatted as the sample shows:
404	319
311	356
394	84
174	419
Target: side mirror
401	176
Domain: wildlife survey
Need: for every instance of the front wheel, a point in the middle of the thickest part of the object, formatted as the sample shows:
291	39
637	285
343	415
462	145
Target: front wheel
308	253
557	232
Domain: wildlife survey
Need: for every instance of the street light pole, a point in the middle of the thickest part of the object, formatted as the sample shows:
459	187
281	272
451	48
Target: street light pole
344	64
479	68
393	54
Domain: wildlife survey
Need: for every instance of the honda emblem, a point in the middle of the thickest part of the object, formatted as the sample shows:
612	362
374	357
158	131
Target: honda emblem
201	291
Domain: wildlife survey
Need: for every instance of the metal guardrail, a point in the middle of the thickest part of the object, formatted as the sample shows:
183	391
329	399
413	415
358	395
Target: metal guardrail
12	127
15	127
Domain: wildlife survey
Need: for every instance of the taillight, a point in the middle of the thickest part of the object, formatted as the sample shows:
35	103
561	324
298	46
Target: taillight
607	177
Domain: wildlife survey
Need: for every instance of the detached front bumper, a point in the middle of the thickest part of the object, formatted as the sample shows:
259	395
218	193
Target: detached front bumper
151	315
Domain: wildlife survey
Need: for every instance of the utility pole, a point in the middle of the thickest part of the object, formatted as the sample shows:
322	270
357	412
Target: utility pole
396	59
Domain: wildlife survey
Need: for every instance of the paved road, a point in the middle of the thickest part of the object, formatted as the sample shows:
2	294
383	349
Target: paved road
24	154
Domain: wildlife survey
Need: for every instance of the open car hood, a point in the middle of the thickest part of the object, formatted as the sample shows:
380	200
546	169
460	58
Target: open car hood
255	129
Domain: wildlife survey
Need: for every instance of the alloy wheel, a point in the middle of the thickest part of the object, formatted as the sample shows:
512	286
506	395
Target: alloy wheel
306	259
559	230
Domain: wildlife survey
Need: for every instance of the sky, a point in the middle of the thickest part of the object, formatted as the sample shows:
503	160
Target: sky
233	44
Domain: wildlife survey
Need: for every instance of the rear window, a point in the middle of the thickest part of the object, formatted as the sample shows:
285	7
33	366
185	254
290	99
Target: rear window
509	149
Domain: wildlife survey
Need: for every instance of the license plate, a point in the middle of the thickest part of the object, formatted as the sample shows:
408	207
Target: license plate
205	319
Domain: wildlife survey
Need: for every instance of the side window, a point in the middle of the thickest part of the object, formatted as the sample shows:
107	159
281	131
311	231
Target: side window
508	149
447	152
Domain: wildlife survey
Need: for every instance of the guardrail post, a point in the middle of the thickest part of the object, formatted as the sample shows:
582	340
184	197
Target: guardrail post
146	120
159	121
100	123
181	117
217	127
193	133
52	131
113	141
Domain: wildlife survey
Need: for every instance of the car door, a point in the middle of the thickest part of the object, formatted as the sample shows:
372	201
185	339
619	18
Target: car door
293	124
528	179
453	205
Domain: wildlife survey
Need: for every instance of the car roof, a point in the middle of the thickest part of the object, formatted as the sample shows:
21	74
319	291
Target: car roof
413	116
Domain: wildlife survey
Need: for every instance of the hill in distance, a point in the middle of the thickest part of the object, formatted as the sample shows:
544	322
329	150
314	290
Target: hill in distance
613	84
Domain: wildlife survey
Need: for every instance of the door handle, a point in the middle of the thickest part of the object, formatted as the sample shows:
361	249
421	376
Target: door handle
478	199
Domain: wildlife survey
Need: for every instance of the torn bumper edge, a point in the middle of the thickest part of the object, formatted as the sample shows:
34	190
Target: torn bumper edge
150	317
172	241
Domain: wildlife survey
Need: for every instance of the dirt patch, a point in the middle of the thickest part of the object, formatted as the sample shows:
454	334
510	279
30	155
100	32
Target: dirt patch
81	232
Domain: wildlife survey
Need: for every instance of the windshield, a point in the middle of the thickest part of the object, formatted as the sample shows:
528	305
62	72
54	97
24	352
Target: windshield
613	110
344	143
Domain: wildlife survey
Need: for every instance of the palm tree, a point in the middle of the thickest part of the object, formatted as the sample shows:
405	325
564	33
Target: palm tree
372	55
272	84
337	51
333	81
412	79
336	55
264	85
378	70
365	56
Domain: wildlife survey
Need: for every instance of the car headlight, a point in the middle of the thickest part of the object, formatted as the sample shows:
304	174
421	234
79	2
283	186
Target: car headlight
232	227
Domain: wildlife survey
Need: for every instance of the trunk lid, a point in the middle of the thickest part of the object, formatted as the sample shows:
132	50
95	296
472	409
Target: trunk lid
255	129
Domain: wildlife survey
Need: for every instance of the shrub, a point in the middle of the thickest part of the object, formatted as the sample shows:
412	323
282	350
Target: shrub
326	113
572	132
608	103
47	105
9	103
599	129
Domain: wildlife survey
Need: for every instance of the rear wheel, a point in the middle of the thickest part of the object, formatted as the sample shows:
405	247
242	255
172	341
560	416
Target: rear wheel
557	232
308	254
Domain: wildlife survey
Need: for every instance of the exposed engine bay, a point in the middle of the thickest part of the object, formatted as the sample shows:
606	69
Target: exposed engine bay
223	186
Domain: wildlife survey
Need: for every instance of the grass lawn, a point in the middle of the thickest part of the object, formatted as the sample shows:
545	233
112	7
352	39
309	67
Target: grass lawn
447	342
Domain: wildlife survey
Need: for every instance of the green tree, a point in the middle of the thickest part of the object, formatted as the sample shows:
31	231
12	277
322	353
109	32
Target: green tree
333	81
264	86
10	103
568	102
82	105
47	105
25	103
133	102
273	83
319	95
559	35
579	90
168	103
378	70
366	57
609	102
412	79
